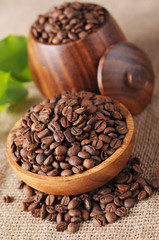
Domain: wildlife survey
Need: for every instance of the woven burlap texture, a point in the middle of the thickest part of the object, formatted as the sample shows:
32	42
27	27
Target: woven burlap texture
139	20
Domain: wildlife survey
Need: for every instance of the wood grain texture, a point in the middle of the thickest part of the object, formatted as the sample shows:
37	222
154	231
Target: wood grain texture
125	73
58	68
82	182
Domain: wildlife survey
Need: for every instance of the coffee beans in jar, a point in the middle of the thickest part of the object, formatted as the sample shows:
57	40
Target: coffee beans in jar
68	22
68	134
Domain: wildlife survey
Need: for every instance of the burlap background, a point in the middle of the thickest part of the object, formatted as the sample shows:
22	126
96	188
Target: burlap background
139	19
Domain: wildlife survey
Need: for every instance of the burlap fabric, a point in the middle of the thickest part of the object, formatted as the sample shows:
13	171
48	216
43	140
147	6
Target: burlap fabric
139	20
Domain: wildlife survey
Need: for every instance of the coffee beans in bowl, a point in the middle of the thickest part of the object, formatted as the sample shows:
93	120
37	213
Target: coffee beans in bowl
68	134
68	22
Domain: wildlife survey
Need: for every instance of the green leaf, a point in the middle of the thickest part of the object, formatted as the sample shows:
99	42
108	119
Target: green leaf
13	54
24	75
13	90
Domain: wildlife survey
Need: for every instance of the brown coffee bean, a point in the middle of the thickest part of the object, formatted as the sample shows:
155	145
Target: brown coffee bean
115	143
85	215
48	160
111	217
110	207
125	195
90	149
107	198
65	200
73	227
50	199
59	218
74	161
7	199
61	226
100	126
83	155
123	187
59	136
36	213
156	171
134	186
99	220
43	212
88	163
60	150
95	213
23	206
32	206
129	203
155	183
142	182
74	213
74	203
28	191
67	218
66	172
148	189
142	195
121	212
26	166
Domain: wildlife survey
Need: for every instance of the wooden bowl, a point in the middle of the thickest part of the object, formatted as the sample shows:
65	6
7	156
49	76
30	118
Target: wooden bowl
81	182
59	68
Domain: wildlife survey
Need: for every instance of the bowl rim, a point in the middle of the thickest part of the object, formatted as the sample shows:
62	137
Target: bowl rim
107	18
128	138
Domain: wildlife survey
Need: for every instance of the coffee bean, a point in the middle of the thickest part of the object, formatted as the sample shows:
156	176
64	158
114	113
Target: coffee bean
74	161
7	199
155	183
73	227
88	163
99	220
60	150
111	217
61	226
121	212
50	199
74	213
123	187
134	186
110	207
28	191
74	203
23	206
148	190
26	166
125	195
66	172
95	213
107	198
129	203
142	195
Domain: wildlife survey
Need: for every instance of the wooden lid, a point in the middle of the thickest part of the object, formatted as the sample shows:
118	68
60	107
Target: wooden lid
125	73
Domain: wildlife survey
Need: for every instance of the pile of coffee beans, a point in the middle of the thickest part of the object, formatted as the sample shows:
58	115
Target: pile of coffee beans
104	205
68	22
68	134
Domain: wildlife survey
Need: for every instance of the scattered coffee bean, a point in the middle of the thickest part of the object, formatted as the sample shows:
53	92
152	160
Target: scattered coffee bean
7	199
68	22
104	205
69	134
155	183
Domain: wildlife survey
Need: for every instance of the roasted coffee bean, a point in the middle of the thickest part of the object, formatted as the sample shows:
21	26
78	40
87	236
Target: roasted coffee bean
74	203
107	198
50	199
74	161
121	212
28	191
7	199
73	227
88	163
125	195
60	150
74	213
66	172
123	187
32	206
95	213
99	220
59	217
142	195
65	200
129	203
61	226
26	166
36	212
43	212
148	189
155	183
110	207
83	155
111	217
134	186
23	206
